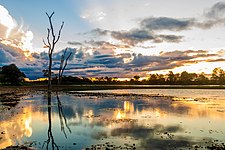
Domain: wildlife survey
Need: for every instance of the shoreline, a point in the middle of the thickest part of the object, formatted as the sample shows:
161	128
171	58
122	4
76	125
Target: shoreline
26	88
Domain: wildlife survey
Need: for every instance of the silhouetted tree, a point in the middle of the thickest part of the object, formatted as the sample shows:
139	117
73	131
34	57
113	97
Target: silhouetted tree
202	79
11	74
170	78
156	79
136	77
218	76
50	44
187	78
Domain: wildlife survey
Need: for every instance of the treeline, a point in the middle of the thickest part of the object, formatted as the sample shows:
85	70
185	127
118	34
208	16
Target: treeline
11	75
216	78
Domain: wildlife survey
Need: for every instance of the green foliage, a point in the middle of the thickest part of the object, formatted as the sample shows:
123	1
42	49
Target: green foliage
11	74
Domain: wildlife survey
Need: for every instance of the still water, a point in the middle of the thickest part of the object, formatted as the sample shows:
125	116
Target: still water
165	119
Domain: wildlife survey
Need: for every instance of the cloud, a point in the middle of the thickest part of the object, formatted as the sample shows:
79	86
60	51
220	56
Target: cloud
216	11
137	36
12	36
169	60
6	20
94	15
169	38
74	43
105	60
101	46
173	24
5	57
165	23
12	52
31	66
98	32
150	29
132	37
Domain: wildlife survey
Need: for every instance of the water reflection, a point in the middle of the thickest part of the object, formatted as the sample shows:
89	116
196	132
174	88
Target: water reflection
15	126
157	122
50	142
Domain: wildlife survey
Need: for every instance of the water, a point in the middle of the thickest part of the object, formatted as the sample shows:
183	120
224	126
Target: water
168	119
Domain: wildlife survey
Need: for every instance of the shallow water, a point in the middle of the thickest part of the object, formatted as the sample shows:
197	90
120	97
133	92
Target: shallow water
167	119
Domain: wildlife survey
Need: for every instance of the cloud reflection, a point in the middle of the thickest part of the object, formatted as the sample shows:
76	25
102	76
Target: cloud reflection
16	127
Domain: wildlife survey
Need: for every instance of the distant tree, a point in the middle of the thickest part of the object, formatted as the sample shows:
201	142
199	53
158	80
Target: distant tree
136	77
156	79
114	79
170	78
45	73
215	75
152	79
221	76
202	79
12	74
108	79
1	77
218	76
187	78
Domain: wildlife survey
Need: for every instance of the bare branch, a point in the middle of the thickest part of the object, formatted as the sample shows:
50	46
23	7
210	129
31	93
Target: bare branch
51	27
45	45
48	39
59	34
50	15
64	67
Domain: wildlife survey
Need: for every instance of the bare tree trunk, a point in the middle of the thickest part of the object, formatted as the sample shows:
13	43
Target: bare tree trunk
50	74
51	42
63	64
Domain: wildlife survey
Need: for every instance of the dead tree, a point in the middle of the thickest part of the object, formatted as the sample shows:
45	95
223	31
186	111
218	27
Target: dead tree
52	39
63	64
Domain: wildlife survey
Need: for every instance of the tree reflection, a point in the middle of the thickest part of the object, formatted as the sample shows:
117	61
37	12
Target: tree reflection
62	117
50	139
50	142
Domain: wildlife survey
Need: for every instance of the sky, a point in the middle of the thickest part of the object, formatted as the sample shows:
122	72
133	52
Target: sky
119	38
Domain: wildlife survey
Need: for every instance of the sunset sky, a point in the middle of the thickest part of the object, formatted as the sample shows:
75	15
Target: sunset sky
119	38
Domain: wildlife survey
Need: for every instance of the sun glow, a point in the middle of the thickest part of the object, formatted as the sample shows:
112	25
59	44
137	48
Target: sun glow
120	115
205	67
128	108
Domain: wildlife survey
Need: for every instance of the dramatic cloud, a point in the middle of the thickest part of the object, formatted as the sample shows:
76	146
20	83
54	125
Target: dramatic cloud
12	34
120	52
15	44
5	57
12	54
170	60
7	21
